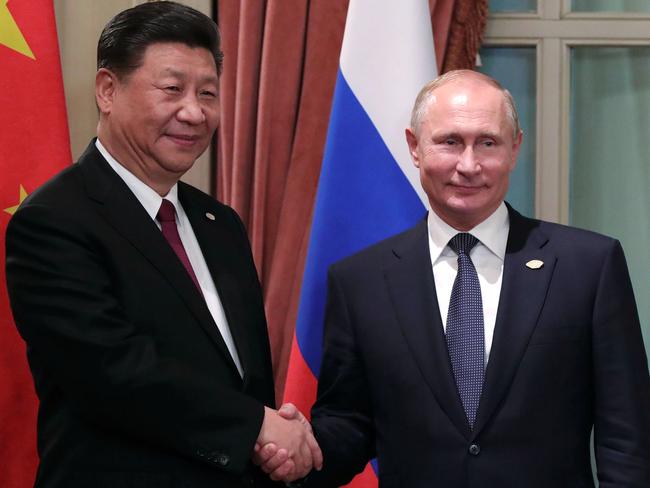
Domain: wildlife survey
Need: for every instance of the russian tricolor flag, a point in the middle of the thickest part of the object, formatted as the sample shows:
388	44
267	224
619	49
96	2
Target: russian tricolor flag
368	187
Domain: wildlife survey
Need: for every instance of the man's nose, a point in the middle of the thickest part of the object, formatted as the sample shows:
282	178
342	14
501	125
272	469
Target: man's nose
191	112
467	161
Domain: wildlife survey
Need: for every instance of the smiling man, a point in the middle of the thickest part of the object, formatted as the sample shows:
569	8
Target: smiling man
465	143
481	347
137	294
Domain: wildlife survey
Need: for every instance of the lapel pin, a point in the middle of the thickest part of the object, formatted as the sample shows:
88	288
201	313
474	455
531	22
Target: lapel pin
535	264
209	216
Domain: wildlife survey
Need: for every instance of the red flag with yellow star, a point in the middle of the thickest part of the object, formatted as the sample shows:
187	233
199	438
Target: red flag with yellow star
34	145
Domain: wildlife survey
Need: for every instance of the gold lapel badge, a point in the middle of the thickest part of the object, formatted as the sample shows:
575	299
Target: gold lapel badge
534	264
209	216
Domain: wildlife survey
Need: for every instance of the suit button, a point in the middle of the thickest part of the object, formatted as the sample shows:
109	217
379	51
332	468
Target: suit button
223	460
474	449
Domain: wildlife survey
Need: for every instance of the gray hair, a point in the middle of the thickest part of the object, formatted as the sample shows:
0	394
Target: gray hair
423	98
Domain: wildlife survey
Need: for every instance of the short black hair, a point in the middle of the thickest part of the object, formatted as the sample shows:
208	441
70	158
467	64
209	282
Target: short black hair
125	38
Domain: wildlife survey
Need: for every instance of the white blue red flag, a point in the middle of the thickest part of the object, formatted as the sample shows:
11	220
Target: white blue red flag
368	187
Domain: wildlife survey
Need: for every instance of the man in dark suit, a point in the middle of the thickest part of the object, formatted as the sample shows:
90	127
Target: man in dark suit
480	348
137	294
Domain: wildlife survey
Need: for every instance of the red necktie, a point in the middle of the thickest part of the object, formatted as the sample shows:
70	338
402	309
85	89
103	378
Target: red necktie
167	218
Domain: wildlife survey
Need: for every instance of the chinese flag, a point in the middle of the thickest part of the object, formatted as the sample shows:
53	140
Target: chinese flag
34	145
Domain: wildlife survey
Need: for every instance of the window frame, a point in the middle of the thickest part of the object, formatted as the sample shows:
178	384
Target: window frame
554	30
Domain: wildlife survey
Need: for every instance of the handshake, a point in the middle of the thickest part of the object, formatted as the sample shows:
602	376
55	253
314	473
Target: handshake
286	448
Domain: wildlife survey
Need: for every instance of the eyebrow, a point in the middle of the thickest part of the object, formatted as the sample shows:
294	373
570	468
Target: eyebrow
182	75
457	135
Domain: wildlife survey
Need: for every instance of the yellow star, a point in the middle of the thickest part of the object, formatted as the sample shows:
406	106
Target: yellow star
10	34
23	195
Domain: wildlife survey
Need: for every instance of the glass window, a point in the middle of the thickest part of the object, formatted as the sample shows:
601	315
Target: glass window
520	6
610	151
610	6
515	68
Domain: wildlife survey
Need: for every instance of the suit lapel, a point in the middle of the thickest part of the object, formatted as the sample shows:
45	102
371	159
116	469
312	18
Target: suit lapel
523	292
119	206
214	240
412	290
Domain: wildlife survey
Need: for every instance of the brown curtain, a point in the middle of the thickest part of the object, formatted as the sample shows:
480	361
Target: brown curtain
281	61
465	34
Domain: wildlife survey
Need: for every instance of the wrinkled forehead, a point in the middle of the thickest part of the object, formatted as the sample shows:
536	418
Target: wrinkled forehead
469	94
178	60
468	99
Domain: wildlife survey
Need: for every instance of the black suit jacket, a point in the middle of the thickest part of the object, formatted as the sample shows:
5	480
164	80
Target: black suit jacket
567	355
136	386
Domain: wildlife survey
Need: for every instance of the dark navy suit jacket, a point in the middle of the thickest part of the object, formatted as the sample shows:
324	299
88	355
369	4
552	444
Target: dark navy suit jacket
567	355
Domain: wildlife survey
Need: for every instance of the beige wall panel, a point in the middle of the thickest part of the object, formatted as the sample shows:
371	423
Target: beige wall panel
79	23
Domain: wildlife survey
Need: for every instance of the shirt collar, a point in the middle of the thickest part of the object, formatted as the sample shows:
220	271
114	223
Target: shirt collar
146	195
492	232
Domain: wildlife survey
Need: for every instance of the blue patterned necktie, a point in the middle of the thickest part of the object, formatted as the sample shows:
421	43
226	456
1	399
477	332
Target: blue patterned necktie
465	334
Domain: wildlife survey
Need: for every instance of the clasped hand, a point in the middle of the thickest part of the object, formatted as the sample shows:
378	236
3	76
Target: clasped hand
286	448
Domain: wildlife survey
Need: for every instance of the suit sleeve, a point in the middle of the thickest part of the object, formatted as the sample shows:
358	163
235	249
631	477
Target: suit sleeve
107	368
342	416
622	385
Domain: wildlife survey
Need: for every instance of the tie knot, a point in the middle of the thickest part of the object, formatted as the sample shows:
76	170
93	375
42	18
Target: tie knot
167	212
463	243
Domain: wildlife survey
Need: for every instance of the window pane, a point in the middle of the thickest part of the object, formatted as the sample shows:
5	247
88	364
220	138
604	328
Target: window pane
515	68
512	6
610	6
610	146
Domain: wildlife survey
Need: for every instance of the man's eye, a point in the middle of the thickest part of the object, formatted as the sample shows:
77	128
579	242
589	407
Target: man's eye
172	88
208	93
488	143
450	142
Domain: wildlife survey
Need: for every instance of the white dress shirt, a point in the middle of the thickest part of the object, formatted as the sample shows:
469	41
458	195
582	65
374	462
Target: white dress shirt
151	202
488	256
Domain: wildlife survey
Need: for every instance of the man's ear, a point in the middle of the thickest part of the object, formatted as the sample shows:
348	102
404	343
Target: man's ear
105	85
412	141
516	145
